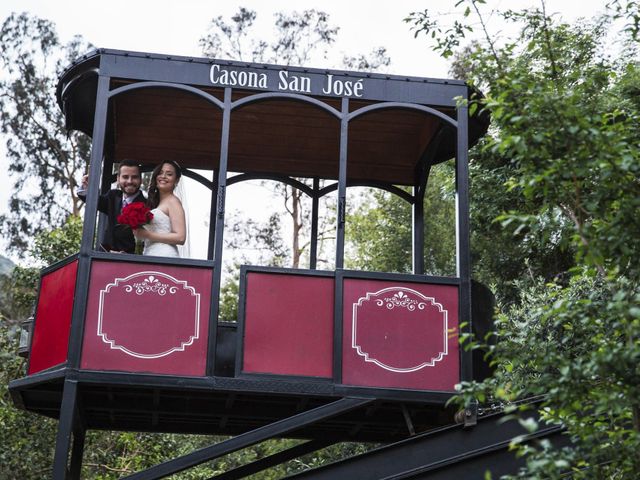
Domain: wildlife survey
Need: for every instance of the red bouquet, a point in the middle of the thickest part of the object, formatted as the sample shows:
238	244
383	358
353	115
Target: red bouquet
135	215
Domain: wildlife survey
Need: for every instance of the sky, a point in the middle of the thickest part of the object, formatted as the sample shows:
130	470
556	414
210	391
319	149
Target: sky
174	27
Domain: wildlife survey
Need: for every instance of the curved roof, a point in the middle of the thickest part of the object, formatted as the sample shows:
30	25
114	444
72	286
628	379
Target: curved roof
283	120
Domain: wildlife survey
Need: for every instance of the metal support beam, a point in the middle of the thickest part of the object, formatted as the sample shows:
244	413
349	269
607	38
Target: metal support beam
218	240
89	225
213	215
342	184
408	421
313	248
463	250
252	437
68	411
423	169
418	229
77	451
275	459
440	452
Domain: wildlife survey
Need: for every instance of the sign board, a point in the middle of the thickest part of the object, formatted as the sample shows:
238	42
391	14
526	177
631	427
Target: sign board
147	318
400	335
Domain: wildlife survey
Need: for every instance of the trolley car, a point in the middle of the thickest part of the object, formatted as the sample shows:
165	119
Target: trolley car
131	342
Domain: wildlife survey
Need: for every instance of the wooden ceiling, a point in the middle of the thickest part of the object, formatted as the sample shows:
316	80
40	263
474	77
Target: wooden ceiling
270	137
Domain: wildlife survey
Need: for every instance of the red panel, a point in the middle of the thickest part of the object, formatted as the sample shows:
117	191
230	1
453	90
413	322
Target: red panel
400	335
288	327
53	318
147	318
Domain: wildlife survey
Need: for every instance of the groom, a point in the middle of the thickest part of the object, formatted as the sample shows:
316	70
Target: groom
116	237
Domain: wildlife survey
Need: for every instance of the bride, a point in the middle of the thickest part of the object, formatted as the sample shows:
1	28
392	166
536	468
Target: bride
167	229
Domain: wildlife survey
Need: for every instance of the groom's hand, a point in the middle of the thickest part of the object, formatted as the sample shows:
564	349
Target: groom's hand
140	233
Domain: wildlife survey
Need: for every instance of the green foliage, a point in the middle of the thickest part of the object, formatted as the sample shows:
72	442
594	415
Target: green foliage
447	37
229	294
505	257
555	196
6	265
54	245
379	229
46	161
578	347
379	233
20	287
27	439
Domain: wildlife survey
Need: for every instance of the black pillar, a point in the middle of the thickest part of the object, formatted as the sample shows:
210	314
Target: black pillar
418	229
342	184
219	235
65	430
463	254
313	248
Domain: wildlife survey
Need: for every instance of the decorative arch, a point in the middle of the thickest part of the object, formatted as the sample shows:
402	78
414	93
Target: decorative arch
407	106
245	177
171	86
407	197
262	97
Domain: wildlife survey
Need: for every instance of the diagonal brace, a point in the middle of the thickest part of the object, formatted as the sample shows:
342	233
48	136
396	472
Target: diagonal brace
252	437
275	459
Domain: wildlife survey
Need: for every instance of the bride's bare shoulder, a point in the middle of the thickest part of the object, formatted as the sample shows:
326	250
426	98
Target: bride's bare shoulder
174	201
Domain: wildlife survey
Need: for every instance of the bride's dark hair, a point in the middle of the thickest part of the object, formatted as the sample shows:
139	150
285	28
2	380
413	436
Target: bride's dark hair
154	195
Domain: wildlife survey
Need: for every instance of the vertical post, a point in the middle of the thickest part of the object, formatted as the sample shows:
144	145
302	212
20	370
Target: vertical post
105	184
342	184
313	249
340	234
89	225
419	192
68	414
65	429
219	235
338	321
463	255
77	450
418	229
212	217
95	164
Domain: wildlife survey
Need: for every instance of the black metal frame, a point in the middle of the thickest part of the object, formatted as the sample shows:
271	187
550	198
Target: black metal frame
95	72
71	425
276	459
449	452
279	428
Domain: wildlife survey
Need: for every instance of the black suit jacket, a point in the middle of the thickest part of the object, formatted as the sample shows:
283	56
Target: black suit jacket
115	236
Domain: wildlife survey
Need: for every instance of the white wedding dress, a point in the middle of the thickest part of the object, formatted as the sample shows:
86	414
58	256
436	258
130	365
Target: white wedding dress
161	223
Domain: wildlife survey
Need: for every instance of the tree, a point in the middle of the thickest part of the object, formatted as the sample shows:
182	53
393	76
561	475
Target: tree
300	38
299	35
46	161
108	455
30	458
563	154
379	232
